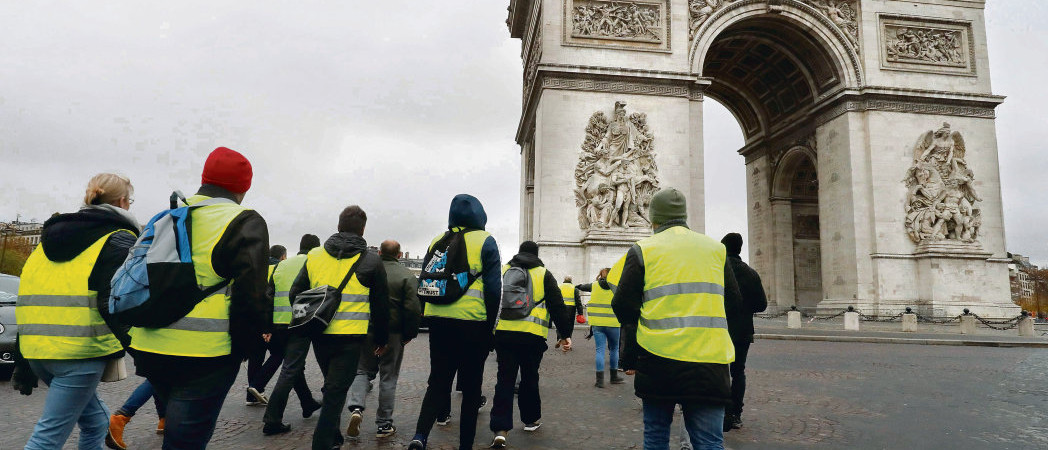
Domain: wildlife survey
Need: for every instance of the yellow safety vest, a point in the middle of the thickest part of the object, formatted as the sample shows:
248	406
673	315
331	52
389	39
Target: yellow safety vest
537	322
56	313
567	290
682	316
283	277
471	305
354	311
599	306
204	332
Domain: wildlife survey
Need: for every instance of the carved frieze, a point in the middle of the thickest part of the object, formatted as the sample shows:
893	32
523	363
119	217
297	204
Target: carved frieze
701	10
531	69
941	203
844	14
636	24
616	175
927	45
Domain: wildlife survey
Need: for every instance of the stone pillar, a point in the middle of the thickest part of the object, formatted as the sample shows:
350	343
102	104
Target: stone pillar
793	319
909	323
1026	326
851	321
967	324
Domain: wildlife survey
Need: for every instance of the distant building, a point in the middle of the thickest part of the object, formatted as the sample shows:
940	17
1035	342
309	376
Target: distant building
24	233
413	264
1019	273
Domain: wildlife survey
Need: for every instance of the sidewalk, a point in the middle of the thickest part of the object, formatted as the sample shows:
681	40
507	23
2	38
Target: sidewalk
890	333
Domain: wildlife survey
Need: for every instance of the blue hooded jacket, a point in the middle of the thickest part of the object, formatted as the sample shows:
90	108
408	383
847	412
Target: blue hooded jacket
466	211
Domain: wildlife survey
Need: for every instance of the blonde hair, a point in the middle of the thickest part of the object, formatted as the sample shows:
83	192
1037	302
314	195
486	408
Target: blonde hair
108	188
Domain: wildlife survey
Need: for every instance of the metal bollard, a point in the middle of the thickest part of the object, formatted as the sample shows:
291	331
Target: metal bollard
793	319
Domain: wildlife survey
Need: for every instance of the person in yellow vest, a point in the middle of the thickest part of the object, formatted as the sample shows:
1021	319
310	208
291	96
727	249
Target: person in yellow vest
673	299
363	313
604	328
283	274
461	333
519	345
62	331
258	373
572	299
193	362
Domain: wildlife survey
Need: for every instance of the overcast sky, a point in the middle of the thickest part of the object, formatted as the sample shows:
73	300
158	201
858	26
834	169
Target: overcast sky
394	105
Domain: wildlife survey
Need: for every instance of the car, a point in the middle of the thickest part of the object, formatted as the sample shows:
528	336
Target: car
8	328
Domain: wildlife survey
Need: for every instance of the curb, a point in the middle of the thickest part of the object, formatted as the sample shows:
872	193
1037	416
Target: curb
911	341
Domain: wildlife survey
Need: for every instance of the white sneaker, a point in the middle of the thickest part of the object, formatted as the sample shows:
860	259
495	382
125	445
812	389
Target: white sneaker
260	398
499	441
354	423
532	426
444	421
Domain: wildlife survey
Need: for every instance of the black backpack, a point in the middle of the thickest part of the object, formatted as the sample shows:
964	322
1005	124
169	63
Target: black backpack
445	270
313	310
518	294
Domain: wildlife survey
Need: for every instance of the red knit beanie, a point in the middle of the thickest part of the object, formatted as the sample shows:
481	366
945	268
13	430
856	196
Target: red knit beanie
227	169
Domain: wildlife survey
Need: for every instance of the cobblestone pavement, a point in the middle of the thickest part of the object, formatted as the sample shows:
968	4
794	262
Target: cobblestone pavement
823	395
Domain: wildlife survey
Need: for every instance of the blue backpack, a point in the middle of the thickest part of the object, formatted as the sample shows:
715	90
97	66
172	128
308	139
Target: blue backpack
157	285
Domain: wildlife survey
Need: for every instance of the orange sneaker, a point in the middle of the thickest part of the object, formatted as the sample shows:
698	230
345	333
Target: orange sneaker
115	438
160	426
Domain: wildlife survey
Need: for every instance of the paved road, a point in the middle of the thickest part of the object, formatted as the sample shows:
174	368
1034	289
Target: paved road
820	395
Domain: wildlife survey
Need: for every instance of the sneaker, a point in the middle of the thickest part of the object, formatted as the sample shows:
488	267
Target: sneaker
532	426
115	438
416	444
499	441
309	409
357	416
736	421
444	421
270	429
386	431
255	397
160	426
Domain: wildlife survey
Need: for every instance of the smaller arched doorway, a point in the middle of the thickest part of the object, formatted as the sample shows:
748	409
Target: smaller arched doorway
795	212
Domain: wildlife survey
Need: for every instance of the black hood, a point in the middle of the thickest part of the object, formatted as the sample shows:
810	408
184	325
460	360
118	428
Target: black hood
525	261
466	211
66	236
344	245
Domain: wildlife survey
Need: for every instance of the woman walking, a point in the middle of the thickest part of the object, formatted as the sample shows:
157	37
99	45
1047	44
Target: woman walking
604	327
62	311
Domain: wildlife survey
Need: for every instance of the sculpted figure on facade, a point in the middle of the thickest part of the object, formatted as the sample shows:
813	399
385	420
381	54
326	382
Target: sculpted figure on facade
941	202
701	10
926	45
617	19
616	174
843	13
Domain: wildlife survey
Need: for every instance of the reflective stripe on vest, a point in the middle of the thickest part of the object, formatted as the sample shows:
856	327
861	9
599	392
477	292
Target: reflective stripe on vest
567	290
283	277
354	311
204	332
682	317
471	305
599	307
537	322
56	313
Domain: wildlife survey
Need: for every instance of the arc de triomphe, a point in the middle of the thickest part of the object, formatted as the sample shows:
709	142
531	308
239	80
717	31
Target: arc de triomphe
870	146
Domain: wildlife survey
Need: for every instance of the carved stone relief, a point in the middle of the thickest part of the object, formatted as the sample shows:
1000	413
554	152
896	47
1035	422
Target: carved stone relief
844	14
941	202
701	10
531	69
616	175
926	46
639	24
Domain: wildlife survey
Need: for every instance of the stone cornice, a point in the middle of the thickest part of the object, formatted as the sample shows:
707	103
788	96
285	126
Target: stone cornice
518	15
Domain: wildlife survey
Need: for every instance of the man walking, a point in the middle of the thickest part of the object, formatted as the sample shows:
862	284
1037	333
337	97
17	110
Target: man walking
259	370
193	362
520	343
570	293
405	313
740	326
364	309
673	299
461	332
280	338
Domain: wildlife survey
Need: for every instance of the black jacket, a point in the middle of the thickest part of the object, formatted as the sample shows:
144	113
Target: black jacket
371	275
559	314
405	311
241	254
740	325
661	378
66	236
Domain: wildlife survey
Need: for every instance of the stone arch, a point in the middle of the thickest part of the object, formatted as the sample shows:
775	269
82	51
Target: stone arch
786	167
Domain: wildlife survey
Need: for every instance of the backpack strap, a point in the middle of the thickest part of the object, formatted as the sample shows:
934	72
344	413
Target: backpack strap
352	270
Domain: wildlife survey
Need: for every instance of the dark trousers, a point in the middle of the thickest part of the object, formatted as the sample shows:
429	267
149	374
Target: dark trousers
738	377
452	349
514	357
193	406
292	375
338	357
259	369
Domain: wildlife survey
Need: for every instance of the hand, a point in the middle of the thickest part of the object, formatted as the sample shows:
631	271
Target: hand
564	345
267	336
381	349
631	372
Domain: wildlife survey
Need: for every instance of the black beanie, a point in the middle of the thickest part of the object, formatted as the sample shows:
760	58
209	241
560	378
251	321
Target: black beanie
733	243
529	247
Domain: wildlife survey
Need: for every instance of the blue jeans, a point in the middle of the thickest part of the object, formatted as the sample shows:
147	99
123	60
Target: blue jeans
71	400
193	406
139	397
607	336
703	422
